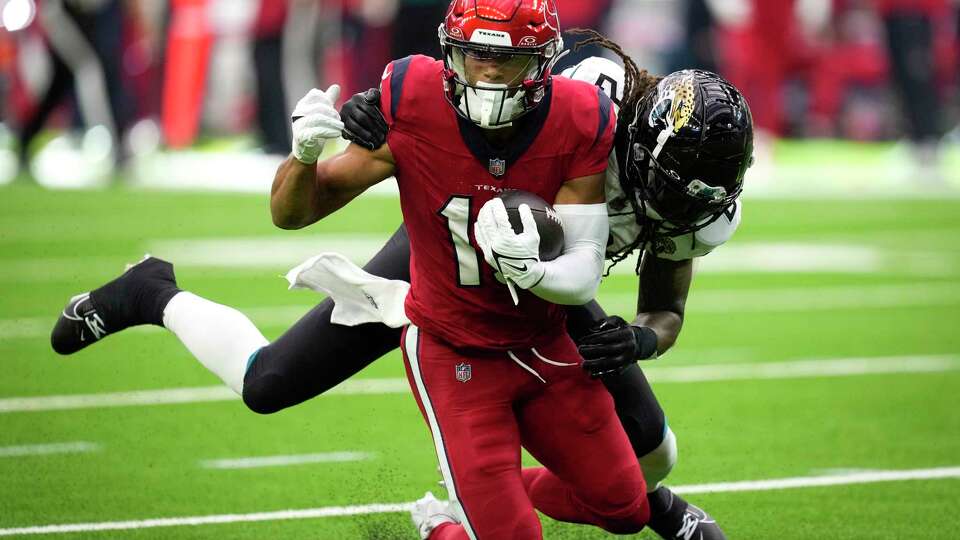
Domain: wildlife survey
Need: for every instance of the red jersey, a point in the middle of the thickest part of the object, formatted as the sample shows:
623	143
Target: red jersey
446	171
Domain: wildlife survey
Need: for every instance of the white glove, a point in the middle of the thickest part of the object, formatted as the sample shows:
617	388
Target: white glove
315	119
515	256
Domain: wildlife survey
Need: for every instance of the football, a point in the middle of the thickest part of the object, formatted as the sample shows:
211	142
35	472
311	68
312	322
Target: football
548	221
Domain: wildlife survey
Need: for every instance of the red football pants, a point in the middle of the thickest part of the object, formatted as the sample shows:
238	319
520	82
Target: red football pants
498	403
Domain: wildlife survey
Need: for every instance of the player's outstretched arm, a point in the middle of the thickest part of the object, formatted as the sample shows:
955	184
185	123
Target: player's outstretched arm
304	194
613	343
662	297
304	191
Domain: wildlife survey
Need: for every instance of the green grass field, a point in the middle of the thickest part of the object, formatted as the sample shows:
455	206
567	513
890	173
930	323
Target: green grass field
822	344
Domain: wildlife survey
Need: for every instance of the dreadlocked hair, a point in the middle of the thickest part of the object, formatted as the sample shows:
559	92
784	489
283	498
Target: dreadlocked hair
647	236
637	82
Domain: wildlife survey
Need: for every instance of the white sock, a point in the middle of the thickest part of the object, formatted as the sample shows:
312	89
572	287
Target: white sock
657	464
220	337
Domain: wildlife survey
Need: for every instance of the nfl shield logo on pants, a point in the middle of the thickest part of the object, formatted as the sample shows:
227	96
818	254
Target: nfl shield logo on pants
464	372
498	167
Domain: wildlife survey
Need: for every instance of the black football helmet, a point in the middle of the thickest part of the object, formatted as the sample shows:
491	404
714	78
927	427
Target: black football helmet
685	151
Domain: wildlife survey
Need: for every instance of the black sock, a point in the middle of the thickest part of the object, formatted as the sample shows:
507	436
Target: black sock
131	300
151	309
666	512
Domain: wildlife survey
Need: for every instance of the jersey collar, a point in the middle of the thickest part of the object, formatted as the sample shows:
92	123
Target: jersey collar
498	160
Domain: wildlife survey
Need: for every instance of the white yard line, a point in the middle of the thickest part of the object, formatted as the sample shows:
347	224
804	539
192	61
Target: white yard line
171	396
705	301
273	255
822	298
800	369
311	513
165	396
284	461
821	481
278	253
798	299
366	509
46	449
275	252
842	367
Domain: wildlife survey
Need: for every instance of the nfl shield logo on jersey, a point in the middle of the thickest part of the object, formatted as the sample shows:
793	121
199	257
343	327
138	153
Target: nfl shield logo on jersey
498	167
464	372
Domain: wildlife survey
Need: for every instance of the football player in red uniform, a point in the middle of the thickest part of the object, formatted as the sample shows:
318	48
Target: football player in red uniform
315	355
489	375
684	143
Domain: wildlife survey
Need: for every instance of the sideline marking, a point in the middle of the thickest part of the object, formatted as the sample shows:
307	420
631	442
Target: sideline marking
794	369
48	448
283	461
338	511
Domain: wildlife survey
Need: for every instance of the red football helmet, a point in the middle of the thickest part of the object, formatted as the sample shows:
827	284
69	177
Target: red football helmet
521	37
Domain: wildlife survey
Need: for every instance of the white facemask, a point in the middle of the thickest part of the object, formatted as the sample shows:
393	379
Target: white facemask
488	107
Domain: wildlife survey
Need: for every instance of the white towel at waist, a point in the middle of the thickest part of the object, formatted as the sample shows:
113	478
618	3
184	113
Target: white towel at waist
360	297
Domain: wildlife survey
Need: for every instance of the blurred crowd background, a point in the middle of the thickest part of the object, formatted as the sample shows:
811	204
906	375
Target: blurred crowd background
122	79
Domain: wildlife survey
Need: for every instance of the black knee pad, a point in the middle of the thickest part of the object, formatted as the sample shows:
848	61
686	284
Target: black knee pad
637	408
260	396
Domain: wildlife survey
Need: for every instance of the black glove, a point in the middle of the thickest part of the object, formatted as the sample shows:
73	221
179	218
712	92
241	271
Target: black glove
613	344
363	123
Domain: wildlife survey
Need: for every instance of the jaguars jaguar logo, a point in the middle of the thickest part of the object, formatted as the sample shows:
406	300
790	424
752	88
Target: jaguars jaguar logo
676	100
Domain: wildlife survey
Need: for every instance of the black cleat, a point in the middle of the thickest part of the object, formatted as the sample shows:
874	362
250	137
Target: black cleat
136	297
673	518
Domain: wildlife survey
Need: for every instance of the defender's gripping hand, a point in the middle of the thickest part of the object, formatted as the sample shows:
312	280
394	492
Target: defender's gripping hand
314	121
363	122
613	344
515	256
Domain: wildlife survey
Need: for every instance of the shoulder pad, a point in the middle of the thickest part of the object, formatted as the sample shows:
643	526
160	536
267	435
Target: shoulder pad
702	242
721	230
584	108
602	72
394	82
